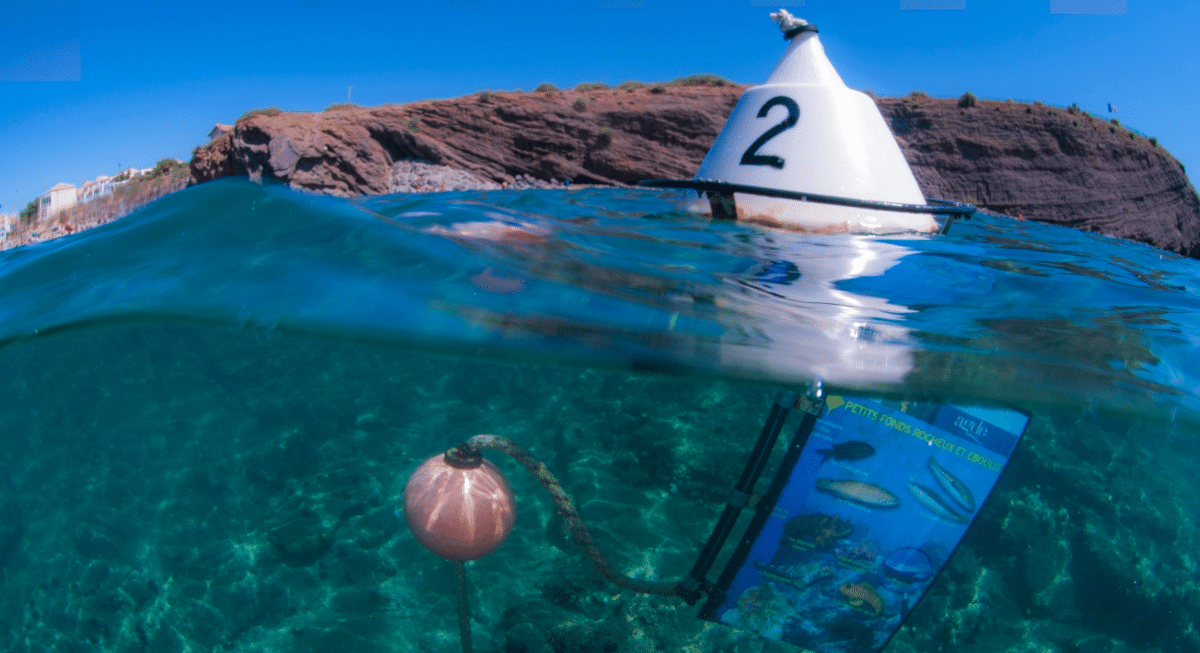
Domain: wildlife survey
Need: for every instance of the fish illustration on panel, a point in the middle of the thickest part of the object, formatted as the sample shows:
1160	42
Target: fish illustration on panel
862	595
958	491
867	494
849	450
935	504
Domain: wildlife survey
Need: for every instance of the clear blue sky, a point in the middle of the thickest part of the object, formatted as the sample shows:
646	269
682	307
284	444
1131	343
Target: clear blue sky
151	77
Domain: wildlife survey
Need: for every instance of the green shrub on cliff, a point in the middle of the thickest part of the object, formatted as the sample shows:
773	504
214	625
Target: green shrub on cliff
267	111
166	167
484	96
918	95
658	88
701	80
29	213
580	104
340	106
546	87
630	86
413	124
967	100
592	86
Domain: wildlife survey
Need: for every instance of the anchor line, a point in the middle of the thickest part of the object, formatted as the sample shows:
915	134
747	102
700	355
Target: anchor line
574	522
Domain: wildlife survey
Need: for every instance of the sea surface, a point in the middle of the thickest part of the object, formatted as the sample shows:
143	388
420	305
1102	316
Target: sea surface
209	410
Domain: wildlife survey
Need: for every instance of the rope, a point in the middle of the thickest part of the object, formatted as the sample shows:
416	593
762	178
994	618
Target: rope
470	449
464	608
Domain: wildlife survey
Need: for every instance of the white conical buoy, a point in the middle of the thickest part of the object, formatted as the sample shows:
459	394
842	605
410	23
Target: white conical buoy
806	131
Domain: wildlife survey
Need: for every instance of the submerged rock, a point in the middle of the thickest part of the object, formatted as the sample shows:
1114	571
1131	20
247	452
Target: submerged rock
301	541
96	541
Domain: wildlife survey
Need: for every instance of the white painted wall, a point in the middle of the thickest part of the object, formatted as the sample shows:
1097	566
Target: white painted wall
7	222
53	201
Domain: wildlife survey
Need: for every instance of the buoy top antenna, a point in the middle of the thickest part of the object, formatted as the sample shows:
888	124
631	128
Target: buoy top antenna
790	25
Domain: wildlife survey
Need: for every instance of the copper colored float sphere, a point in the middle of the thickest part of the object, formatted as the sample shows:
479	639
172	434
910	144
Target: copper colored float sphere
459	514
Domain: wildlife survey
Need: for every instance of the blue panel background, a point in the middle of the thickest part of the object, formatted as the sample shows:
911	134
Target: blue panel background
819	573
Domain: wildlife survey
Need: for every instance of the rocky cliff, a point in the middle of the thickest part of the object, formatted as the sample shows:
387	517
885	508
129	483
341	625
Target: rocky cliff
1061	166
1053	165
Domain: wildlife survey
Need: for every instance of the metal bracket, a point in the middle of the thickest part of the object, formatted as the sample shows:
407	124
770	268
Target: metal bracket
813	400
811	405
738	499
722	205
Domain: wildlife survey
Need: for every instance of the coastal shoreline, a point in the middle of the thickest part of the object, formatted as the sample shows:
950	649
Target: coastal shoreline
1033	162
1026	161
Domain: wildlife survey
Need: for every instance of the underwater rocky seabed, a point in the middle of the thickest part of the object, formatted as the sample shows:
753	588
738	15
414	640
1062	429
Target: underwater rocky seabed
179	487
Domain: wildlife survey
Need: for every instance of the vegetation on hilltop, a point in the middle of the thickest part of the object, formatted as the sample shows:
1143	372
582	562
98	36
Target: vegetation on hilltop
266	111
701	80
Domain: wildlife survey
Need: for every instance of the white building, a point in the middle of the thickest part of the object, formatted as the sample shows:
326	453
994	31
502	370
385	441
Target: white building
96	188
56	199
7	222
64	195
219	130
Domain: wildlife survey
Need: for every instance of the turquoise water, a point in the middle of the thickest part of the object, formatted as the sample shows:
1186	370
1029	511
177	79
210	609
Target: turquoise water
210	409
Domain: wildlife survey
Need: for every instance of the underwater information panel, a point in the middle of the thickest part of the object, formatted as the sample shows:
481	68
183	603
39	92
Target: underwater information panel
869	512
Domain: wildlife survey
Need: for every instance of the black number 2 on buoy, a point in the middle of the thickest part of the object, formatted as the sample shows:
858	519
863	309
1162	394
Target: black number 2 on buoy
752	157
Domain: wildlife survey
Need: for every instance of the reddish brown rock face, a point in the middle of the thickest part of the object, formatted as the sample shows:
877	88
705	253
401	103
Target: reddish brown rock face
1034	162
1050	165
216	159
620	137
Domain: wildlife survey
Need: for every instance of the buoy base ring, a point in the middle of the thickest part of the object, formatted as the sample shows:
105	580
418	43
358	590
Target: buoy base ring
725	189
723	207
